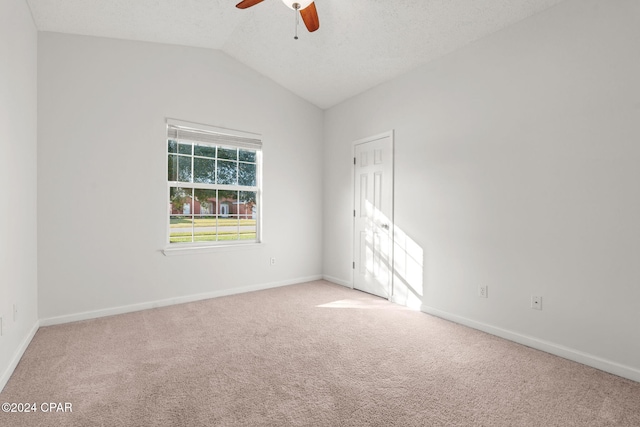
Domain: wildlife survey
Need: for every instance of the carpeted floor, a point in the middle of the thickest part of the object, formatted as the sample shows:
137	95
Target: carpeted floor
313	354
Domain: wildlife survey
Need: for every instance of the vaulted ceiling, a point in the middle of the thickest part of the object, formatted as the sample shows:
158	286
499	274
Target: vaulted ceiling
360	43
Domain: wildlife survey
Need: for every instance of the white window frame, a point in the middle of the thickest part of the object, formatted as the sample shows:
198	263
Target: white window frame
225	138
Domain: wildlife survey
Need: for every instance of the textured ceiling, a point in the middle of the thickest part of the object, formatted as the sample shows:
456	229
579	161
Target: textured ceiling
360	43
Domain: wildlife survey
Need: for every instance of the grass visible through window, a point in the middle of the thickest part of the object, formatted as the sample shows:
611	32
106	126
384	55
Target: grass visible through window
225	229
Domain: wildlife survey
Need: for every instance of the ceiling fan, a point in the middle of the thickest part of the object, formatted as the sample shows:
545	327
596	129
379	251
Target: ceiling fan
307	10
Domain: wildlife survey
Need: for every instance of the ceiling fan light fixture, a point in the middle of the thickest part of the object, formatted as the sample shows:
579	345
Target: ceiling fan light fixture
303	4
304	8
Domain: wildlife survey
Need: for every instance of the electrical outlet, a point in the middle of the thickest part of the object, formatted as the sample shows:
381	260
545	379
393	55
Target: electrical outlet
536	302
273	261
483	291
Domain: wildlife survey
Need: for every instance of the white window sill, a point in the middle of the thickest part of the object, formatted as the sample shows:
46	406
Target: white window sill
193	250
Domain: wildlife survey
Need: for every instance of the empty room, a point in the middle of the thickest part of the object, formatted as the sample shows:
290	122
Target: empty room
320	213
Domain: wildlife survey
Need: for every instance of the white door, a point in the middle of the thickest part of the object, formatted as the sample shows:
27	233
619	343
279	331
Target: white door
373	215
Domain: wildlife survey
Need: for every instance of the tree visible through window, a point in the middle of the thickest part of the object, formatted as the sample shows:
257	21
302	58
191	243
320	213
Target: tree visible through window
213	186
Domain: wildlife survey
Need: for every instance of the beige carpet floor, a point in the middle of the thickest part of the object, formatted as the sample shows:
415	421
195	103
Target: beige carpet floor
313	354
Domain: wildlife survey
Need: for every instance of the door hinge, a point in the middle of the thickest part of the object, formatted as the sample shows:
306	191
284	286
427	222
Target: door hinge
354	265
354	213
354	160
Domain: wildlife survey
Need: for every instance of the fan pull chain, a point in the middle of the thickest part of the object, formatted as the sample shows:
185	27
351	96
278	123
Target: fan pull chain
296	6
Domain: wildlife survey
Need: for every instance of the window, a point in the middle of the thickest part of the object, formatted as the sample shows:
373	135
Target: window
214	188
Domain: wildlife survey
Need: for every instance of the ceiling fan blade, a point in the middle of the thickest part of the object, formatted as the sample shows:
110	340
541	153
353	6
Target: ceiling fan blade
248	3
310	17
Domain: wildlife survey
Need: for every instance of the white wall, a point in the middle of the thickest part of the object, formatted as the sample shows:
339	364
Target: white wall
18	237
102	205
517	167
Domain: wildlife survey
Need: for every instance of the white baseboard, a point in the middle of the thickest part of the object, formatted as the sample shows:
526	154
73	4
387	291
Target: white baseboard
18	355
170	301
546	346
337	281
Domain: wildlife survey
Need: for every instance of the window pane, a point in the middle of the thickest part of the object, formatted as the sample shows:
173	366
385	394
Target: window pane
227	172
248	230
204	170
172	169
205	202
204	151
248	215
180	201
184	169
247	204
247	174
247	156
185	148
173	146
227	202
180	229
228	153
205	228
228	227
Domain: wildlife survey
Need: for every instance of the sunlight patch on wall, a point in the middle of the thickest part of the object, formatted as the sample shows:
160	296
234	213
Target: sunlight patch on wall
408	270
405	274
